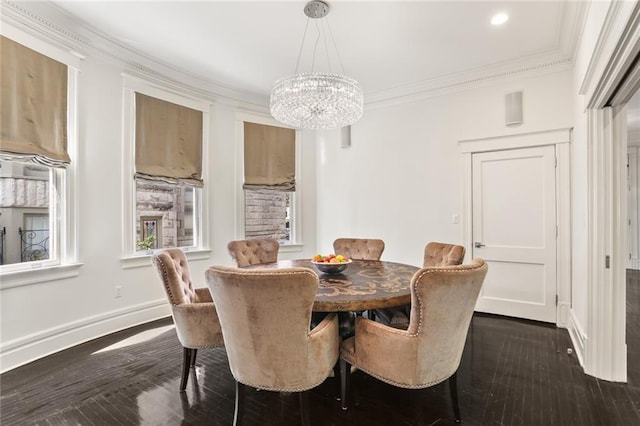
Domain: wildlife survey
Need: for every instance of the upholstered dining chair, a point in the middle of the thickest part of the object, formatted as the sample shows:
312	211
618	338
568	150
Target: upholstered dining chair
265	316
193	311
253	252
429	351
359	248
435	254
442	254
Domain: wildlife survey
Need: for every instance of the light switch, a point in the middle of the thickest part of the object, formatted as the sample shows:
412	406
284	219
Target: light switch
455	219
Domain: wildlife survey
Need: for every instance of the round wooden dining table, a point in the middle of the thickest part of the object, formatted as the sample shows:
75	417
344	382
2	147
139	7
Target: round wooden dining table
364	285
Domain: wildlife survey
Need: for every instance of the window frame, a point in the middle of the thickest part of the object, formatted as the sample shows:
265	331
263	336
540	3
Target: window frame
63	188
296	242
131	257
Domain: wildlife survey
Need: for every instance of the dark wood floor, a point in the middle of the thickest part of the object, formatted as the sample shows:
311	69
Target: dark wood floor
512	373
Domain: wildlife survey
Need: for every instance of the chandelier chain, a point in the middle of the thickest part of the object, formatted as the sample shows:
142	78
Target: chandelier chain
315	48
304	36
335	46
326	47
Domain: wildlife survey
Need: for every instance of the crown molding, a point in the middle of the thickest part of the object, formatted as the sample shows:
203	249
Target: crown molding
574	16
49	22
458	82
558	59
614	53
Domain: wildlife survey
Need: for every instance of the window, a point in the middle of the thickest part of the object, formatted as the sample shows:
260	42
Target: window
166	140
269	182
25	212
36	168
164	215
35	237
268	214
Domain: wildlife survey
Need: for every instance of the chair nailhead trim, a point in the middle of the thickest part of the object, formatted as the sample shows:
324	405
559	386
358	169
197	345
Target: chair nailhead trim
165	279
287	389
403	385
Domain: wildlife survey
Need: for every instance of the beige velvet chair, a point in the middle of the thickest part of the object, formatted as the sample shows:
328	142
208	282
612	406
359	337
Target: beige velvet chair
359	248
435	254
265	316
253	252
442	254
429	351
193	311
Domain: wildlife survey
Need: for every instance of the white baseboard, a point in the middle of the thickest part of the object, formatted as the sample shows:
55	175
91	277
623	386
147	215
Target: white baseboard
563	314
578	337
23	350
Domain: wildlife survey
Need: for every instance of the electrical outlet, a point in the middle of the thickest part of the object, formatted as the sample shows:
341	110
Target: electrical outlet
118	291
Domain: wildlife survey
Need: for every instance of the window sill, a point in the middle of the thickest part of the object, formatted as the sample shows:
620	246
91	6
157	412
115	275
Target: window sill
39	275
144	259
291	248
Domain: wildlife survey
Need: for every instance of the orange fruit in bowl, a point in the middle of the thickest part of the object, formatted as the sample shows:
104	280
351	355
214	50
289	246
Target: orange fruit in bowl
330	258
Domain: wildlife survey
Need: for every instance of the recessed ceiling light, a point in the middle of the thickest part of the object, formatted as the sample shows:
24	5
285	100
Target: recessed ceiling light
499	19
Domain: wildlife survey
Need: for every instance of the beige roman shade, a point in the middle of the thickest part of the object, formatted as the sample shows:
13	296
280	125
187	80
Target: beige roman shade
33	106
168	141
269	157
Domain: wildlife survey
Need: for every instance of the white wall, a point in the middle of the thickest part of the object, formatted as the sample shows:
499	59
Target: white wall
42	318
401	179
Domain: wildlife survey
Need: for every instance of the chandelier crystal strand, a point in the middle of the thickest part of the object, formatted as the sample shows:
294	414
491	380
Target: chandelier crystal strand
316	100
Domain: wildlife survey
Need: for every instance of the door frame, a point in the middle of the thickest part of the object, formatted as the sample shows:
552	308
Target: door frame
560	138
609	83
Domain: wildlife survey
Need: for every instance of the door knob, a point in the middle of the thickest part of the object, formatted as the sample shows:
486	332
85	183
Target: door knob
478	245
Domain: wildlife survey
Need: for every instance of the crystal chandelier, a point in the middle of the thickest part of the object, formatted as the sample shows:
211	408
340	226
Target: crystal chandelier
316	100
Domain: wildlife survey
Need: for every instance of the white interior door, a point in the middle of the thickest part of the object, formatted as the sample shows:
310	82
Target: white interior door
514	230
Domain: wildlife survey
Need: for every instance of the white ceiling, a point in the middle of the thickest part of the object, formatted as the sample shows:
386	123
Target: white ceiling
387	46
